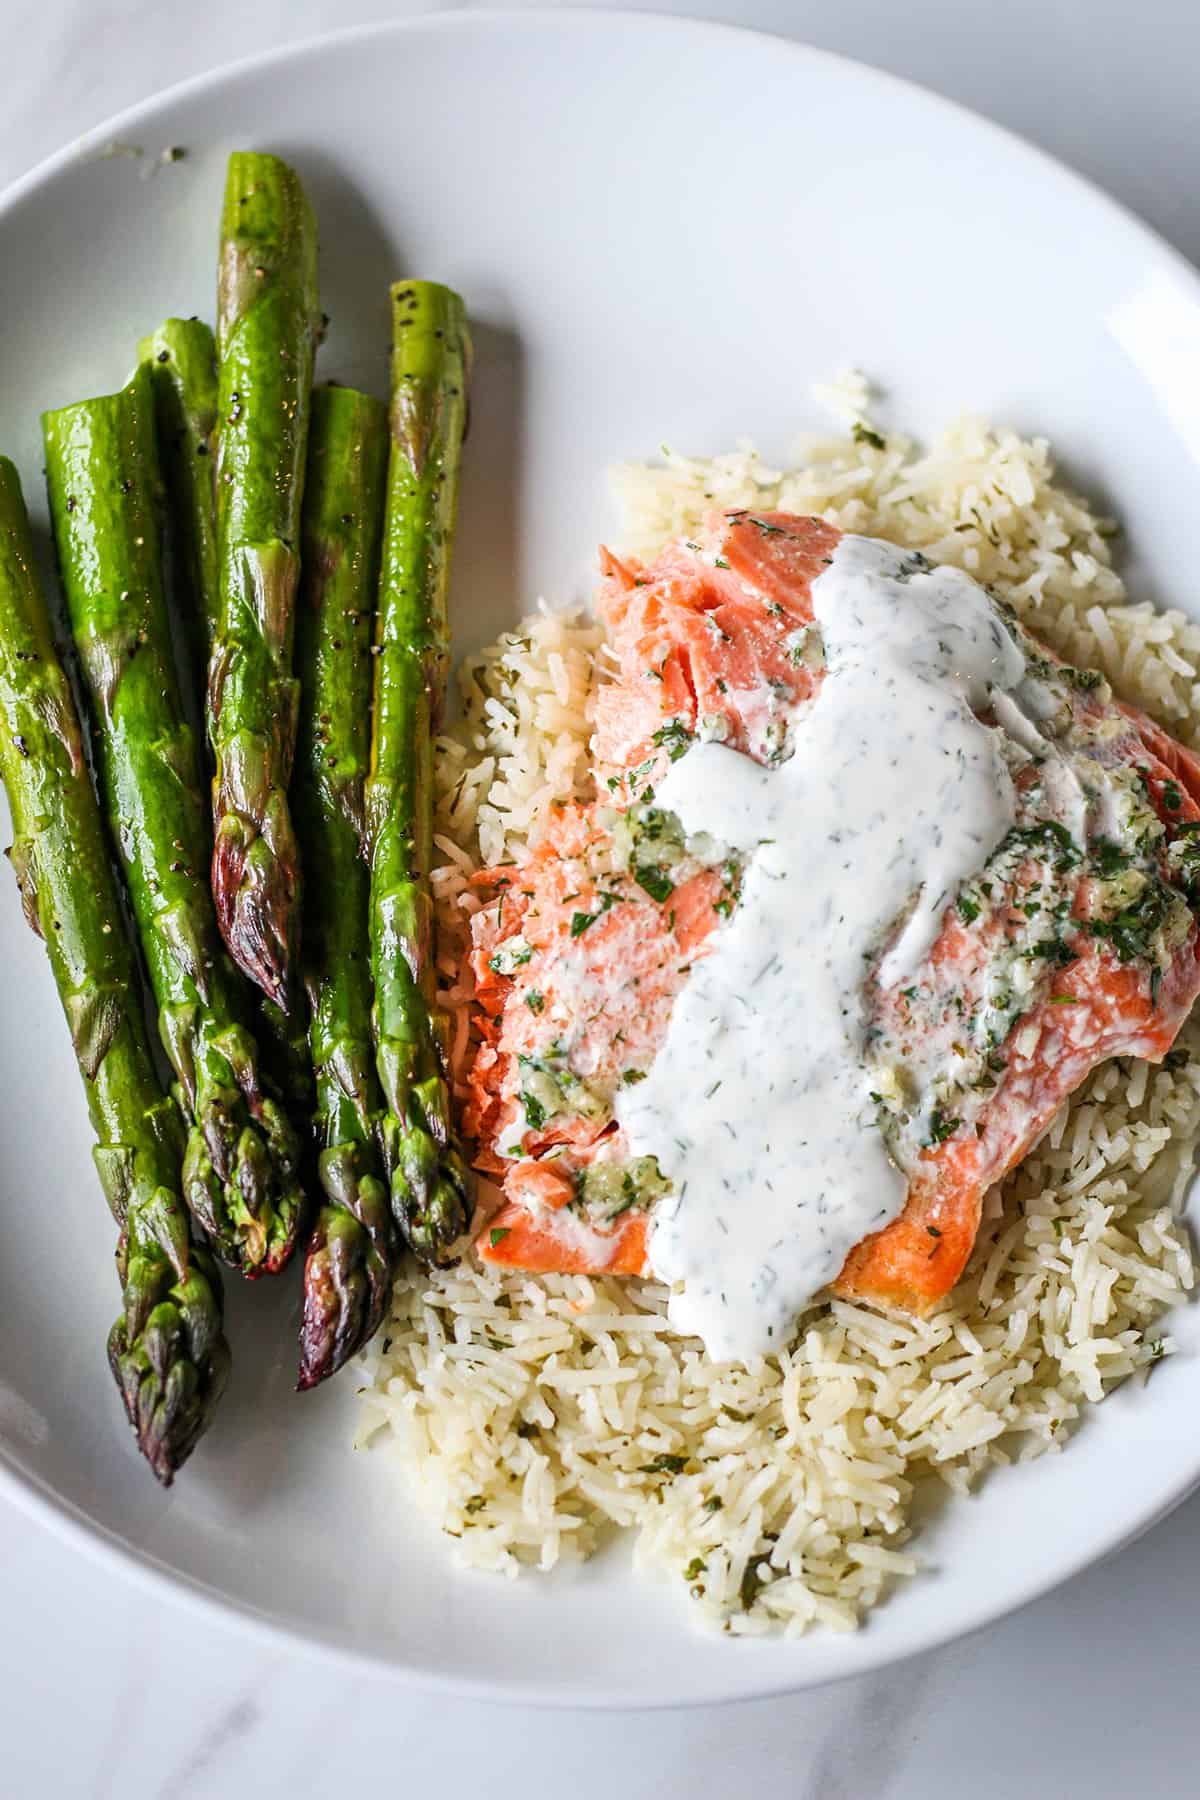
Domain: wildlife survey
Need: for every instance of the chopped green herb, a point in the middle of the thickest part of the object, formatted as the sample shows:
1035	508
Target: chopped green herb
499	1232
1132	931
968	910
1047	838
674	738
534	1001
695	1569
535	1112
1052	950
664	1465
656	882
580	922
940	1127
753	1581
1108	858
862	434
512	954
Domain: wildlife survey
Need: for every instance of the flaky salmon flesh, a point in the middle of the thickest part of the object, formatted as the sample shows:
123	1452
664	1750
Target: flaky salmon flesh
580	951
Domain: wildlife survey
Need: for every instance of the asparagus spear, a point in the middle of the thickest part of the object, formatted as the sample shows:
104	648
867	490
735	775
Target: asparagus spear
431	1187
167	1350
182	358
354	1249
288	1063
240	1170
266	333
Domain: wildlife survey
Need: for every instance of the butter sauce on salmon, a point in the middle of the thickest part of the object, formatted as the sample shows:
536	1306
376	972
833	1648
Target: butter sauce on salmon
872	883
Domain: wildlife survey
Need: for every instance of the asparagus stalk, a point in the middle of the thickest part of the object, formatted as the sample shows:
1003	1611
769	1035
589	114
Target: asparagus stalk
431	1186
288	1063
266	336
354	1249
182	358
240	1169
167	1351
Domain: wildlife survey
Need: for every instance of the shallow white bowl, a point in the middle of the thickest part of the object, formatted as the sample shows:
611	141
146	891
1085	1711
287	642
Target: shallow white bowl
665	232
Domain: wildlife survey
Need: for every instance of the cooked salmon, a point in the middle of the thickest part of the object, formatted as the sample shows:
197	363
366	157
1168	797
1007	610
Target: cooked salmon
1059	954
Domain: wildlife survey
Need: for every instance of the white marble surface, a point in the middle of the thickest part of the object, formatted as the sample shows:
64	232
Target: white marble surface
106	1689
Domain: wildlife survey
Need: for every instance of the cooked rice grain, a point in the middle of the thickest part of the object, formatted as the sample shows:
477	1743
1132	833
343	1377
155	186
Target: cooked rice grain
532	1416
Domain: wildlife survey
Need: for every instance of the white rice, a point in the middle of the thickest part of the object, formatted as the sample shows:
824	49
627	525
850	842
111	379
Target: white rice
532	1415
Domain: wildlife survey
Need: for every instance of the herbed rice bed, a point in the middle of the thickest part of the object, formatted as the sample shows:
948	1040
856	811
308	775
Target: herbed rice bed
532	1415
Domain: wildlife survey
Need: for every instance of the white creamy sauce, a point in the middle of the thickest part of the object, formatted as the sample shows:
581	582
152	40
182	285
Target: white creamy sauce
757	1107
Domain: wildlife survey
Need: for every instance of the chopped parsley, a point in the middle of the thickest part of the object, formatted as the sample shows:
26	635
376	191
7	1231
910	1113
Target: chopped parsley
535	1111
580	922
656	882
534	1001
1052	950
1086	680
1183	856
1108	858
513	954
664	1465
968	910
674	738
499	1232
941	1127
863	434
753	1581
1047	838
1131	932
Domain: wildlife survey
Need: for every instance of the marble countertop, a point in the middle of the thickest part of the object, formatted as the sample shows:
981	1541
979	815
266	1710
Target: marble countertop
107	1687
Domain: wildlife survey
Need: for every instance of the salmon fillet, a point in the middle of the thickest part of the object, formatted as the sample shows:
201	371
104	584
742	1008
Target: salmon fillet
1059	955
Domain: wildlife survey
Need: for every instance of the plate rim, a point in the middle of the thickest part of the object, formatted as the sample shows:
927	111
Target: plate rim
37	1499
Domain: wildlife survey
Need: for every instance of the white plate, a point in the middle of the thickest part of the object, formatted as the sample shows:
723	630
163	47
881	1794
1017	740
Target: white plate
665	232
